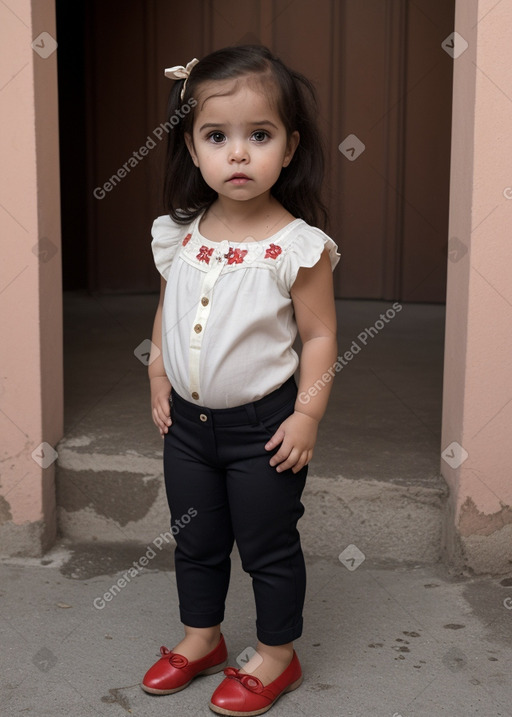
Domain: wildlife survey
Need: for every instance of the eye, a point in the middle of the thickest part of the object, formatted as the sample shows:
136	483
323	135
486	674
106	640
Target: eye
260	135
216	137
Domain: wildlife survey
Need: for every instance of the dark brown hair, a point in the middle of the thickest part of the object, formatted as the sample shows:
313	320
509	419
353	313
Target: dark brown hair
186	194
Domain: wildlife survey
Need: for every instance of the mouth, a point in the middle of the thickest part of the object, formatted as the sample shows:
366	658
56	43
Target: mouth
239	178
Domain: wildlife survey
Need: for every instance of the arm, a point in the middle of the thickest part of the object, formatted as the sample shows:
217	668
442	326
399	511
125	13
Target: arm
315	313
159	383
313	301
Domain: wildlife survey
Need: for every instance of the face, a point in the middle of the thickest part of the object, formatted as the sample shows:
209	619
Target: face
239	134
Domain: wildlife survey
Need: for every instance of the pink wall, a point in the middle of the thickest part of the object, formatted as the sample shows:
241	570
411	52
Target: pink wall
30	277
477	393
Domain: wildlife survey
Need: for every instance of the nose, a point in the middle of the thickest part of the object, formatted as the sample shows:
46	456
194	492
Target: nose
238	152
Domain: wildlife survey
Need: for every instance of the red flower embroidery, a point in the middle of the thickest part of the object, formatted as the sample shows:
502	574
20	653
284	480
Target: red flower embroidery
273	252
235	256
185	241
204	254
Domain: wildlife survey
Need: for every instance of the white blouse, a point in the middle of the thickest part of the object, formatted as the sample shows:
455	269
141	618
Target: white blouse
228	323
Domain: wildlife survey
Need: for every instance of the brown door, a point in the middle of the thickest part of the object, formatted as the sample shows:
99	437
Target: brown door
384	85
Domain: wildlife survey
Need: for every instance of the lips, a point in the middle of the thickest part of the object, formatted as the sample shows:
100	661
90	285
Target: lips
238	175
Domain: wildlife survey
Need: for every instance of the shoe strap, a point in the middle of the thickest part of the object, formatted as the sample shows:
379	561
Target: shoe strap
251	683
175	660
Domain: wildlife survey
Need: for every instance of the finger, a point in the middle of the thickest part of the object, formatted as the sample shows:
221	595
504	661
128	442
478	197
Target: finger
160	419
281	455
285	458
304	460
164	427
289	463
165	419
165	408
154	416
276	439
296	460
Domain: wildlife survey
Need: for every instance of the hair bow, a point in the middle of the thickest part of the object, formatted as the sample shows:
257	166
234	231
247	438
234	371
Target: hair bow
179	73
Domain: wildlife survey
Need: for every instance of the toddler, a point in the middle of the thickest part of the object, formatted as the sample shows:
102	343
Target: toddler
243	268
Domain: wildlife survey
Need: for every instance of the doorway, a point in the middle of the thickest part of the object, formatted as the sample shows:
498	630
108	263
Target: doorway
384	87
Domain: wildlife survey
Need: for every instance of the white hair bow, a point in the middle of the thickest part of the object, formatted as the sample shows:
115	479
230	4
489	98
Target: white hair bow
179	73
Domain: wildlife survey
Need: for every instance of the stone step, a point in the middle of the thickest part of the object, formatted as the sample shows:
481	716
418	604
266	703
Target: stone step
374	482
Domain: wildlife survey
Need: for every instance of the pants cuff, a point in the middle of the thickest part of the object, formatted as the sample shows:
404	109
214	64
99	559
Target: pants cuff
201	619
282	637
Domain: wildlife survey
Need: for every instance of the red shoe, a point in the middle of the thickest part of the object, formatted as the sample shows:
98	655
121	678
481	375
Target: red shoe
243	695
174	672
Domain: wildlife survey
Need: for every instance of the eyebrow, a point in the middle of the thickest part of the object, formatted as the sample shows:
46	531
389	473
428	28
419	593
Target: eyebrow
209	125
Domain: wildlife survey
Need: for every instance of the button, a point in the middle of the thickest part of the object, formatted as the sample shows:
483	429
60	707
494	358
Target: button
195	395
205	301
203	417
198	328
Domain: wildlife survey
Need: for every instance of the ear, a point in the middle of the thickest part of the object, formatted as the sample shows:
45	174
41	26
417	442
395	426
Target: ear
293	143
190	146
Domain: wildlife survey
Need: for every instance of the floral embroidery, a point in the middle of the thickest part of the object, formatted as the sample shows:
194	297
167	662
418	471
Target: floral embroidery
235	256
273	252
185	241
204	254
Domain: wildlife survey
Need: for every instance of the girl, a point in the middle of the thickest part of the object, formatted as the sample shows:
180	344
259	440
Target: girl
243	268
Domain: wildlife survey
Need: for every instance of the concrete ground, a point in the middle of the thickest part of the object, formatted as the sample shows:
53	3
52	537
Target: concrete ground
388	640
388	630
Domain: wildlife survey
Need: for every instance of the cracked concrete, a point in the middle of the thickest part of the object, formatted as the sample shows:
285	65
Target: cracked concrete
124	497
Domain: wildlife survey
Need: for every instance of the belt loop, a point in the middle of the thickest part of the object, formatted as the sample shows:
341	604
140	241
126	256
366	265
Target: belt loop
251	412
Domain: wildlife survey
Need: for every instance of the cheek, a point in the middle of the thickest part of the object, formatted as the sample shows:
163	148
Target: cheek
208	164
271	165
274	158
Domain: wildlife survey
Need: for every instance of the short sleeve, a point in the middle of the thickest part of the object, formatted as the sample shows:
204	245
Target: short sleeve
167	237
305	250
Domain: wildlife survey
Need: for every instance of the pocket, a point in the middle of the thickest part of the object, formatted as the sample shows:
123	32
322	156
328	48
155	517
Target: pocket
271	423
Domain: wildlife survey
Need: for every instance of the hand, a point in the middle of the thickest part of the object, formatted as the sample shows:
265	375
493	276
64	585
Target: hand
298	436
160	407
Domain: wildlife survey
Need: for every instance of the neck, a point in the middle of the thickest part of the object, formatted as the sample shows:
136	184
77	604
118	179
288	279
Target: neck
243	212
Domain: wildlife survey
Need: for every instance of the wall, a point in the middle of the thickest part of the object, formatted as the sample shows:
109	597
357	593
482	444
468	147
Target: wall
477	396
30	278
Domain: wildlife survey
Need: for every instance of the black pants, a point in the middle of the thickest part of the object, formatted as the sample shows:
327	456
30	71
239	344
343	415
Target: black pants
221	487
